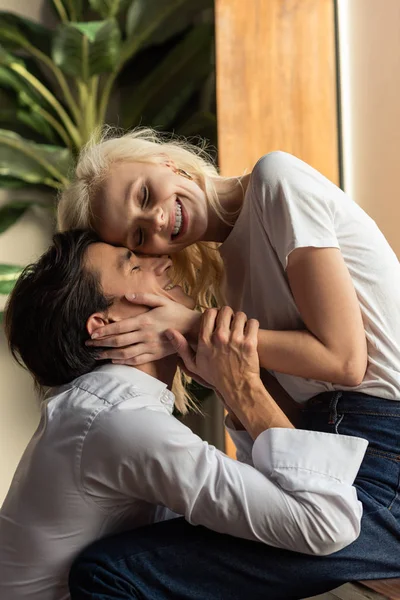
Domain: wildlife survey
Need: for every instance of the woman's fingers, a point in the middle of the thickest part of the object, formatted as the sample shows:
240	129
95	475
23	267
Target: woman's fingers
136	352
135	362
122	354
147	299
124	326
117	341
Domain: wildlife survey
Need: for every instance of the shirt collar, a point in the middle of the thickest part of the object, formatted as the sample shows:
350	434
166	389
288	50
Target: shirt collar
134	376
136	379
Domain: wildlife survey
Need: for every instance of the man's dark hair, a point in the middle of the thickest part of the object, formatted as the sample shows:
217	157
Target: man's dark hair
47	311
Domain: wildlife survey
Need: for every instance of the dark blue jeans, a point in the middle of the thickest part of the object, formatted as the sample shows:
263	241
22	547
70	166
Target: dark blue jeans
176	560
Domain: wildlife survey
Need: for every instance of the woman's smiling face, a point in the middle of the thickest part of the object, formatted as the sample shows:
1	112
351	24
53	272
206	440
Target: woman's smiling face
149	208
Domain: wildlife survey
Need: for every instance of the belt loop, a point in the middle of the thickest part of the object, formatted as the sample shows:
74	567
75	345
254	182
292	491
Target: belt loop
333	408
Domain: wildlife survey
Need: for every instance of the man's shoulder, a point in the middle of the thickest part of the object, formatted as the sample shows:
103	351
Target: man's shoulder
110	385
106	386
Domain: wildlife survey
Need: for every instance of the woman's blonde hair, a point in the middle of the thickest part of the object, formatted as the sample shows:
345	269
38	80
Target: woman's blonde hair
198	268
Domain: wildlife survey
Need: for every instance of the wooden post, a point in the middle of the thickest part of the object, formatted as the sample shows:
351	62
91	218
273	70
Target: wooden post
276	83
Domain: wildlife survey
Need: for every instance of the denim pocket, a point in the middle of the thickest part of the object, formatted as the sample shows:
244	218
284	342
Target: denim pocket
376	420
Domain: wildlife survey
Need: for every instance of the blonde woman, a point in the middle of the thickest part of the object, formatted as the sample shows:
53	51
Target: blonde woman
297	254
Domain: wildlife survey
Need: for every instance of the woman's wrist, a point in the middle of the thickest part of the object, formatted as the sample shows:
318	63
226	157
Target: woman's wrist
192	327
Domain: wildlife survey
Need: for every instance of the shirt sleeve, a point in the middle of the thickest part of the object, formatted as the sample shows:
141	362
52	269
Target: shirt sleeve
295	202
299	496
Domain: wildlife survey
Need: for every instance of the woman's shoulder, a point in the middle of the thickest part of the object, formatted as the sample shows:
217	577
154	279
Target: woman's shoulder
274	166
276	160
281	169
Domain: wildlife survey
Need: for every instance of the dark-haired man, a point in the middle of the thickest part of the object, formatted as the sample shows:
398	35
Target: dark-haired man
108	455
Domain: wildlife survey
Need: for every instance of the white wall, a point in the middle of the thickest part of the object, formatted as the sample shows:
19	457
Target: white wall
19	245
370	91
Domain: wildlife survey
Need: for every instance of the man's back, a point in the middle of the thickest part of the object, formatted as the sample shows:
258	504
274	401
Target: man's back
48	517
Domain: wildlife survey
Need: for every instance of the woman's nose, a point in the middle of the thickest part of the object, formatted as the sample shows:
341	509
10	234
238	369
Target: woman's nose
156	220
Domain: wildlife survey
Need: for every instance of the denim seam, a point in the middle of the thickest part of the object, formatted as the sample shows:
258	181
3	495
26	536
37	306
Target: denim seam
373	414
383	454
338	423
333	408
396	494
350	412
137	592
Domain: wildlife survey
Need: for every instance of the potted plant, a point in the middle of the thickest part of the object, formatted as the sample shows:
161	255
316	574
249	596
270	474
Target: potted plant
123	62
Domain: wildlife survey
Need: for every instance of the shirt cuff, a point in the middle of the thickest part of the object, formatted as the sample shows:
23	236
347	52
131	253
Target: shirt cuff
331	455
242	440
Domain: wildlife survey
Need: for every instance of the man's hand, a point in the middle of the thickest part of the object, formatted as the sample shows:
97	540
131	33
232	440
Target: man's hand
227	350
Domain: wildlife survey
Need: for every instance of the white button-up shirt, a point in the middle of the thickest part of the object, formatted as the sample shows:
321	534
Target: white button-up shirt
108	455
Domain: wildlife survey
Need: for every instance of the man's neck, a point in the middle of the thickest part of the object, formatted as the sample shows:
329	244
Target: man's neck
164	369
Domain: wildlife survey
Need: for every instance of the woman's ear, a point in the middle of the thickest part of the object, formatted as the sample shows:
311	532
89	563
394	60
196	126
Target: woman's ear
95	321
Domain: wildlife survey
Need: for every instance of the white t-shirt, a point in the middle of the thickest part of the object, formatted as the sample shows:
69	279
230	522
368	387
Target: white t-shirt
289	205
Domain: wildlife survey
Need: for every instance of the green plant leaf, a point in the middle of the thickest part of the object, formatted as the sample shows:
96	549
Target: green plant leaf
69	10
12	116
18	32
83	50
8	276
160	96
10	79
26	95
144	17
108	9
180	19
144	14
11	212
31	162
7	100
37	123
53	110
201	124
9	183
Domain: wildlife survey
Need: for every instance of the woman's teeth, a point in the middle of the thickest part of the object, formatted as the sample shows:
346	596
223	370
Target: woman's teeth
169	287
178	218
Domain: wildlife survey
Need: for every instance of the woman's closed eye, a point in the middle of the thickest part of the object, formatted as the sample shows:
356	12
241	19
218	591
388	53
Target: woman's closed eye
145	197
139	238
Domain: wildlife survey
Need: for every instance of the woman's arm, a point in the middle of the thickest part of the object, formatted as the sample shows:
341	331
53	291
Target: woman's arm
333	347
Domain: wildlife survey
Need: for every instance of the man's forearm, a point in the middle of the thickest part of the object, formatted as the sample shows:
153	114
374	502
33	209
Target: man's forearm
301	354
254	407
